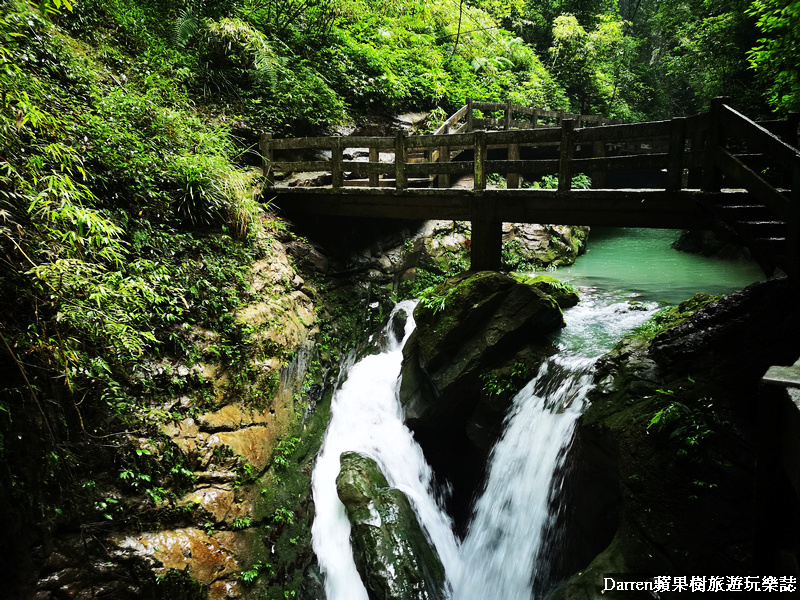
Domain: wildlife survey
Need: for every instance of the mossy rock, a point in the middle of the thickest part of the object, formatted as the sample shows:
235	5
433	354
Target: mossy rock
391	551
487	301
564	294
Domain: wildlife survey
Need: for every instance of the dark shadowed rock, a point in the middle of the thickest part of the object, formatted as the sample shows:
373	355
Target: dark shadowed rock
469	331
392	553
674	420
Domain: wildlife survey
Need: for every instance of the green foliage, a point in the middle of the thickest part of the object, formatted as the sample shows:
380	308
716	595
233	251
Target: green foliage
284	449
688	425
507	381
249	576
775	56
242	522
432	300
591	63
581	181
671	316
516	258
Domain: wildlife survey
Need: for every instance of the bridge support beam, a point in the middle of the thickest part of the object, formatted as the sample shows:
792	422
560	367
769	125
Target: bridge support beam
487	236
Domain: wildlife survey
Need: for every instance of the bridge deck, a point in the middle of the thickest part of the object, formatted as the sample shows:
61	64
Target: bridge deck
681	209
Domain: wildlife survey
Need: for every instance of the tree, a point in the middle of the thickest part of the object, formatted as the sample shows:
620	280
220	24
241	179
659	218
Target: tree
776	58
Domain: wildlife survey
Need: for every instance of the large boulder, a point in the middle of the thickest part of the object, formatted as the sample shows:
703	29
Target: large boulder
479	336
392	553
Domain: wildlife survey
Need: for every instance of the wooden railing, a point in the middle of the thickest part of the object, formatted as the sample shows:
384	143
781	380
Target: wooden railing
458	134
735	140
464	118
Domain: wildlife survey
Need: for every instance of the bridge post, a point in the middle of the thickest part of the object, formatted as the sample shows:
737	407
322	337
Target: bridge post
374	158
598	151
336	163
566	151
479	182
401	182
712	176
470	116
535	119
265	147
677	147
512	179
486	246
695	178
444	157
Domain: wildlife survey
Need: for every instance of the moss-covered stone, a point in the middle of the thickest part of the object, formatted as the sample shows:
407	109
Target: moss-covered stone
470	330
395	559
564	294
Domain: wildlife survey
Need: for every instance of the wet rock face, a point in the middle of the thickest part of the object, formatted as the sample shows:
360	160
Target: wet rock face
473	326
683	491
394	557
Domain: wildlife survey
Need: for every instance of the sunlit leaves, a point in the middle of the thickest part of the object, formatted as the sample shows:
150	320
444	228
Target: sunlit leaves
775	57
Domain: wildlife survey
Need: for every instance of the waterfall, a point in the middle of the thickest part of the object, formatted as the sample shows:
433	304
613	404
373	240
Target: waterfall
500	552
500	556
366	417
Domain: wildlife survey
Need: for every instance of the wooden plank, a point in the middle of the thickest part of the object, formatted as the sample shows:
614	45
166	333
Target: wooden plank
598	175
374	158
525	137
265	148
461	128
301	143
432	141
400	159
620	163
479	182
437	168
368	168
712	178
336	164
512	178
622	208
383	143
470	115
749	179
677	147
625	132
301	166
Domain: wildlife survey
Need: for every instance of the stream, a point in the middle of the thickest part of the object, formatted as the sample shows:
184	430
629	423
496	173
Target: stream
501	555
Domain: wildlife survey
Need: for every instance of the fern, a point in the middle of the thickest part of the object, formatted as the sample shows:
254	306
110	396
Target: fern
186	26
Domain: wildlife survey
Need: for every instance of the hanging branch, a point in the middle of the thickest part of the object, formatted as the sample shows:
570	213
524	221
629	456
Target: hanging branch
458	32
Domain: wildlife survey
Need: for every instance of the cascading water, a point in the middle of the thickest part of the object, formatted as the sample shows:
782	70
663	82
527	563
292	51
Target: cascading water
502	554
499	556
366	417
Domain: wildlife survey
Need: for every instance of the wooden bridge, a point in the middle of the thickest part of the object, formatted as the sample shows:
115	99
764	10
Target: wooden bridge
715	170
